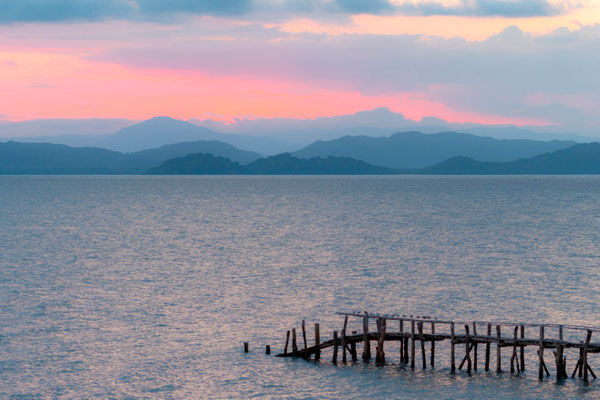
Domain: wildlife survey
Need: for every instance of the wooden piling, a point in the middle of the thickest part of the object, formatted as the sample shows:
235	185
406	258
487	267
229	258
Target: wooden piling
432	361
344	346
542	363
423	356
523	349
287	341
304	334
541	355
317	342
294	344
335	347
268	349
412	344
380	356
468	348
513	359
498	349
487	348
245	347
353	348
474	347
452	344
585	365
401	329
366	343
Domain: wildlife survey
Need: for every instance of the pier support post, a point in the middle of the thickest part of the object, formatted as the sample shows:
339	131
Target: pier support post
542	365
487	347
523	349
353	348
294	345
474	347
432	361
335	347
513	359
304	334
380	356
412	344
287	341
344	344
317	342
468	348
452	344
366	343
498	349
423	356
401	342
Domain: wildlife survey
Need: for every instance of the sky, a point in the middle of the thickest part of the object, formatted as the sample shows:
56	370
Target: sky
532	62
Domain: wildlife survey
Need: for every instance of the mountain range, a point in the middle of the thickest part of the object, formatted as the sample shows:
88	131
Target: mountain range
418	150
46	158
577	159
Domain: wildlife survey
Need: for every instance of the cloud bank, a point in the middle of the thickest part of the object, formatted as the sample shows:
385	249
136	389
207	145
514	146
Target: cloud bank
15	11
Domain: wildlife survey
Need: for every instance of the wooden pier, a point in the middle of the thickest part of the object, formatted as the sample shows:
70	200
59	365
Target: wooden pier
410	331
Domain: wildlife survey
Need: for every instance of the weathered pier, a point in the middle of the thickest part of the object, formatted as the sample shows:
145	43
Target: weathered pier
411	331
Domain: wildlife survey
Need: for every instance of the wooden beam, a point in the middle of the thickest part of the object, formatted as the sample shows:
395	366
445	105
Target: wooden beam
304	335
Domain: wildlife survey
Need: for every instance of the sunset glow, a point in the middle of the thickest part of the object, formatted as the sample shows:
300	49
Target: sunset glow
190	66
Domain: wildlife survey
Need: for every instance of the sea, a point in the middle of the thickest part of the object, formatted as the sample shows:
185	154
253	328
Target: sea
146	287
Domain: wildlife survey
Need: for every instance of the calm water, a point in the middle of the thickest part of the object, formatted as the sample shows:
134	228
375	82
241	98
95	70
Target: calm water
146	287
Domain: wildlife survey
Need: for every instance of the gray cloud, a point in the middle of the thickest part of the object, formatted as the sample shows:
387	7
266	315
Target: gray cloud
505	8
12	11
551	77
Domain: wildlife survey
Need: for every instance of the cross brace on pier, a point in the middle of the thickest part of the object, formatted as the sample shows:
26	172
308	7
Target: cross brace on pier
422	329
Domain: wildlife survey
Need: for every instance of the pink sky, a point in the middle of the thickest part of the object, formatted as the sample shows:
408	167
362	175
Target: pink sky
203	65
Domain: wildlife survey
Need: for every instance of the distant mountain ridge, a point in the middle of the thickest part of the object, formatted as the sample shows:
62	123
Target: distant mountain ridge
578	159
419	150
46	158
